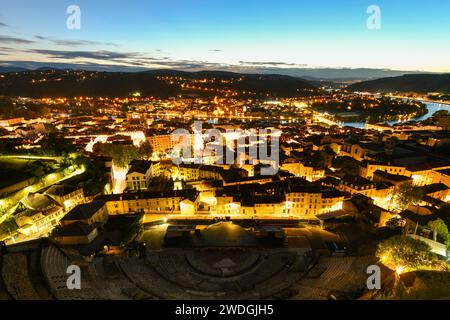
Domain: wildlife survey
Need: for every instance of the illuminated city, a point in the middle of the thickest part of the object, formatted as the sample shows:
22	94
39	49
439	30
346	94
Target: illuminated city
220	181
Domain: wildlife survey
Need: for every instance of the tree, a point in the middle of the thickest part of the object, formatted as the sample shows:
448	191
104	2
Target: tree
145	150
122	155
11	225
444	122
440	229
404	253
442	119
407	194
440	114
394	223
54	144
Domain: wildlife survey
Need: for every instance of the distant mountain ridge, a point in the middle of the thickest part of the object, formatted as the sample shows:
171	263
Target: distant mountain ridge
5	69
71	83
420	83
318	73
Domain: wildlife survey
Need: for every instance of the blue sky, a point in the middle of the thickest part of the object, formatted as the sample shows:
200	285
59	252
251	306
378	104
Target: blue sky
414	34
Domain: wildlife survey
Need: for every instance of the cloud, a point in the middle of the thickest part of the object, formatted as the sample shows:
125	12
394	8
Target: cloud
144	61
13	40
3	25
76	43
98	55
216	50
127	58
271	64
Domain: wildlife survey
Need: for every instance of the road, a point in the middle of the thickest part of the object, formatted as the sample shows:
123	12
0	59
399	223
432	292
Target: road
32	157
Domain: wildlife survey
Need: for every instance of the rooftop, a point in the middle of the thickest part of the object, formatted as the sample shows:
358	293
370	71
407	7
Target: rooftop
61	190
140	166
39	202
188	193
391	177
83	211
356	180
435	187
418	218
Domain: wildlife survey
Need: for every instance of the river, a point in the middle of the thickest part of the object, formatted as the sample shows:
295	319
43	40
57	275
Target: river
431	106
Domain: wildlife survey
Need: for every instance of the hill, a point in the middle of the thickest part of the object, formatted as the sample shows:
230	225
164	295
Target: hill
420	83
4	69
157	83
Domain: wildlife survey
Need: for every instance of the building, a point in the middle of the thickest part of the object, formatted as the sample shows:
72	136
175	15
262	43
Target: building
395	179
186	172
139	175
301	170
442	176
38	214
166	142
357	184
361	150
66	195
352	150
161	143
88	213
368	168
75	234
424	173
303	201
11	122
364	209
311	200
167	202
437	191
262	206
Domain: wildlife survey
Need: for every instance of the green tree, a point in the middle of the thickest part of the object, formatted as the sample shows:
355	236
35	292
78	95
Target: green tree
122	155
145	150
55	144
404	253
394	223
407	194
440	229
441	118
11	225
440	114
444	123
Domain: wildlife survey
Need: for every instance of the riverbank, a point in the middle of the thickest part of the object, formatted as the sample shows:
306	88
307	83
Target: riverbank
432	107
